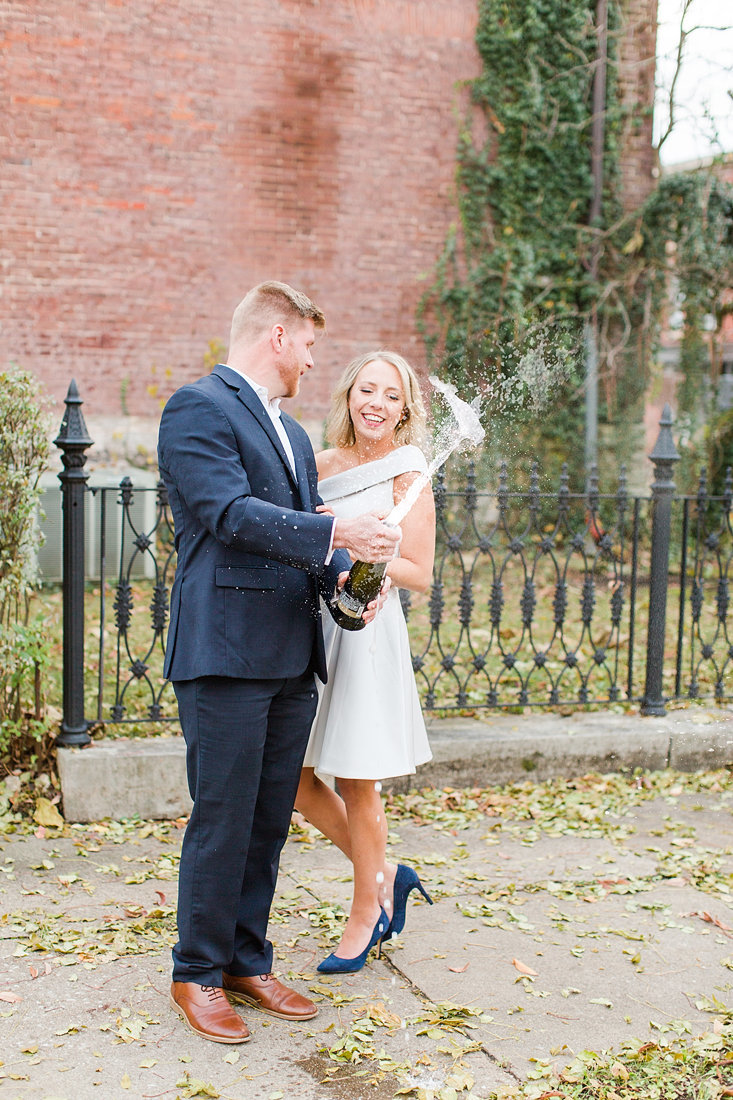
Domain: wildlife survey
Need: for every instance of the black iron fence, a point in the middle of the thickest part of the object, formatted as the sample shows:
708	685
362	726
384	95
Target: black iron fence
538	599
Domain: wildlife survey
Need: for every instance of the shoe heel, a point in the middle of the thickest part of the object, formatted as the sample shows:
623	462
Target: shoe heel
424	892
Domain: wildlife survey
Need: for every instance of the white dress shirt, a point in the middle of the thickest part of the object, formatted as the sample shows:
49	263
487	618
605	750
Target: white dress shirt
272	408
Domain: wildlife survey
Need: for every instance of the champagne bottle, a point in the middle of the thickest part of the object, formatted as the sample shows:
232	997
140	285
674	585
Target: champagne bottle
360	588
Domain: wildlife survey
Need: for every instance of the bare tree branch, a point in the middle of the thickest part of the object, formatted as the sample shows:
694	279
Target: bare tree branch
671	101
671	98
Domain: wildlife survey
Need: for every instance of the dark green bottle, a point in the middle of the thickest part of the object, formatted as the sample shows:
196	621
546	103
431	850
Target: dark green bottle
361	587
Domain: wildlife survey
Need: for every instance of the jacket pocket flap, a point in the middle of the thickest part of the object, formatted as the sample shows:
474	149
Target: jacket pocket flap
250	576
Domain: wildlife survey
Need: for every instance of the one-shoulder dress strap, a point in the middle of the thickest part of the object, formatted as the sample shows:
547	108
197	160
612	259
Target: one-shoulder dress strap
403	460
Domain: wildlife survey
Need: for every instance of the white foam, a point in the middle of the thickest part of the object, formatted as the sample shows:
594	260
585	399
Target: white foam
463	430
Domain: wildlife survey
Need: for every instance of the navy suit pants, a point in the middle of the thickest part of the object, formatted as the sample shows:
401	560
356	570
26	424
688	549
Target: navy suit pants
245	742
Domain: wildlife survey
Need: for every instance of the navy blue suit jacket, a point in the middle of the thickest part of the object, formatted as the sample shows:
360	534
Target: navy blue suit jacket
251	549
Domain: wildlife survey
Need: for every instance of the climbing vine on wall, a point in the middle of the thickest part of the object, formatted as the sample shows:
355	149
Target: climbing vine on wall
523	272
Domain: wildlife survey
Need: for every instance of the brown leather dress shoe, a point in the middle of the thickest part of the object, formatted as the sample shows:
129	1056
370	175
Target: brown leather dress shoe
265	992
207	1012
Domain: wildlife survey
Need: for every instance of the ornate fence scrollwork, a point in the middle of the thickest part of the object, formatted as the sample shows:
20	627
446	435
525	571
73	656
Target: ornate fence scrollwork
529	593
140	606
536	601
711	650
160	538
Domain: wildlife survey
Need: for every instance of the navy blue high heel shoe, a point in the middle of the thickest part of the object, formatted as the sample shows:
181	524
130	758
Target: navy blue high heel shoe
406	880
336	965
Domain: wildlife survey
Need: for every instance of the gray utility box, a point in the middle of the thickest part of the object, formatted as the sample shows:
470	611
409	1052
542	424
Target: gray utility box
101	483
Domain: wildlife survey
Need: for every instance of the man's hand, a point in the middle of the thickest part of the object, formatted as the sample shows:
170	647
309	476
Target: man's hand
366	538
371	609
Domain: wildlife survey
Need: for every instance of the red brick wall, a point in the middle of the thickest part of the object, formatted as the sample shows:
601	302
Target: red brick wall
636	68
161	158
158	159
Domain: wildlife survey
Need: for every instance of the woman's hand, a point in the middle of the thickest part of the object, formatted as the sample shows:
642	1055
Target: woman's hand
371	609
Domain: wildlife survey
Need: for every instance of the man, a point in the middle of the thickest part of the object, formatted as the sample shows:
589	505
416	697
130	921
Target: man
243	645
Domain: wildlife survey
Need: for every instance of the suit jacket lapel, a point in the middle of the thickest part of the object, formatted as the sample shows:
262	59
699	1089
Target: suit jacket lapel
249	398
300	469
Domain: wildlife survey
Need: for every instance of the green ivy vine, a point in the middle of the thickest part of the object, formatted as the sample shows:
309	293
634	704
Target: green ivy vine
523	273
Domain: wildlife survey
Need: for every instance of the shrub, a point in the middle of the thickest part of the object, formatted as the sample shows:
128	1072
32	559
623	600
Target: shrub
24	451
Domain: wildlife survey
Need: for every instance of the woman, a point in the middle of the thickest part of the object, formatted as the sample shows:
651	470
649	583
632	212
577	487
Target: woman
369	725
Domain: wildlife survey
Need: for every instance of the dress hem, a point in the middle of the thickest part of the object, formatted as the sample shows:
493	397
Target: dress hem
368	778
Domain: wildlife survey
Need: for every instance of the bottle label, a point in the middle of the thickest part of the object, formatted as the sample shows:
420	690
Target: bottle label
350	605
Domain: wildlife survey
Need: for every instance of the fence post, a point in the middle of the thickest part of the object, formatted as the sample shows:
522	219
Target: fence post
664	455
73	440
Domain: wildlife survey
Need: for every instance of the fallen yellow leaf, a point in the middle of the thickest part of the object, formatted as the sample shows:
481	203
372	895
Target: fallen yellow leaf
47	814
377	1012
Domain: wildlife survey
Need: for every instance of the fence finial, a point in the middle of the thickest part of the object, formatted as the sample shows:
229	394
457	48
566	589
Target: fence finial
73	434
664	449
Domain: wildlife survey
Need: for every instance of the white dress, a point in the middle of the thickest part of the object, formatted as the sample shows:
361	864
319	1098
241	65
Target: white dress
369	724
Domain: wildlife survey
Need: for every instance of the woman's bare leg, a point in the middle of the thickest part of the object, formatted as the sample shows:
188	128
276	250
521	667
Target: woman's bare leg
374	877
323	808
368	833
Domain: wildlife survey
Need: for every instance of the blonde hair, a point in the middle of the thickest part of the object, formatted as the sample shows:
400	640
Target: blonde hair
270	304
412	424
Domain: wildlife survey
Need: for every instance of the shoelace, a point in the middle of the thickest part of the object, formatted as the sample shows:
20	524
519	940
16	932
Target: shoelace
212	992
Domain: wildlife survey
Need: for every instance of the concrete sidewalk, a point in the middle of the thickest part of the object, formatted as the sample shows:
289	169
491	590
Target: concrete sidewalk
594	920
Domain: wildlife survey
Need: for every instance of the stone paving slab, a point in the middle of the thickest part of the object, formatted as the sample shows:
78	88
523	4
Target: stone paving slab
624	932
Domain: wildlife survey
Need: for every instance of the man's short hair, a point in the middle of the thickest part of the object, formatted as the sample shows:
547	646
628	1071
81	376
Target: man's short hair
269	304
